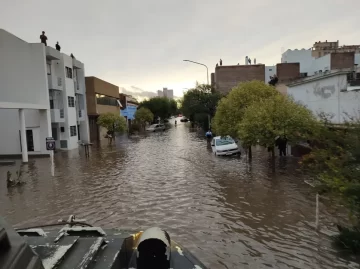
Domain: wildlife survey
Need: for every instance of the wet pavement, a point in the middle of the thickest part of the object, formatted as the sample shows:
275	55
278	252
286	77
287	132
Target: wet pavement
229	213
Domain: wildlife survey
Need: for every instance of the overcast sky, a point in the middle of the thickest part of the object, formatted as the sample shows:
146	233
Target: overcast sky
142	43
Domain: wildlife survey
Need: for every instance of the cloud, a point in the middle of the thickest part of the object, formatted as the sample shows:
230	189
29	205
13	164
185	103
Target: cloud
144	43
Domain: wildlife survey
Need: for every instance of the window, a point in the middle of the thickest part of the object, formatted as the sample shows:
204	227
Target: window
71	101
270	69
62	129
357	75
51	104
48	68
73	130
68	71
106	100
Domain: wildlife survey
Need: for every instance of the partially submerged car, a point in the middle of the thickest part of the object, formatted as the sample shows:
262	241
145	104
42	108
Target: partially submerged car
156	128
224	146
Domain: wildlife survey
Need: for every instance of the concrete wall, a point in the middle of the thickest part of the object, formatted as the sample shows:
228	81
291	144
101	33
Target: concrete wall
324	95
23	73
36	120
323	63
302	56
269	71
227	77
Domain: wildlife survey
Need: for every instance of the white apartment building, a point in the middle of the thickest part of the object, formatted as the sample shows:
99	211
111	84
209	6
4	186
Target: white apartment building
335	93
42	94
310	65
166	93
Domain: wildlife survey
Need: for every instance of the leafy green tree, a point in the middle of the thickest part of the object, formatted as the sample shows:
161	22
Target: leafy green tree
200	103
143	115
113	122
160	106
278	115
231	108
335	163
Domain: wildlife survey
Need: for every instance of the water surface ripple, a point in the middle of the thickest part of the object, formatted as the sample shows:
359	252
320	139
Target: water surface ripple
229	213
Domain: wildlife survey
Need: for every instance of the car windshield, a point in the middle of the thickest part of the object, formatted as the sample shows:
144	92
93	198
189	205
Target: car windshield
222	142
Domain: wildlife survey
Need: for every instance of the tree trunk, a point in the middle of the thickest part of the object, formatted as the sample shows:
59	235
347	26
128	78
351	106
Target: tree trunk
250	153
273	152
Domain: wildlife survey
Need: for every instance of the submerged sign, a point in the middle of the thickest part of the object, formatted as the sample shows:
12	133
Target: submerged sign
129	112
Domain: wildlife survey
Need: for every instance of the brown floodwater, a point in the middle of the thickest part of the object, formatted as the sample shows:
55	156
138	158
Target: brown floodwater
229	213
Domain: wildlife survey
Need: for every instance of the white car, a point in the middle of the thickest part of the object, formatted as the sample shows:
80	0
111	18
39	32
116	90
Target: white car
155	128
222	146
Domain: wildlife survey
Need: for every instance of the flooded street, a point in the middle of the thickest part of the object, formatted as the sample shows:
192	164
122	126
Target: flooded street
229	213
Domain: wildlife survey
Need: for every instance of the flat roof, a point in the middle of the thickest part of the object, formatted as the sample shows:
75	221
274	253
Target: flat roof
320	76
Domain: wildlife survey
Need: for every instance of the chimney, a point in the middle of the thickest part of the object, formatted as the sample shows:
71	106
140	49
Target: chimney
254	60
246	60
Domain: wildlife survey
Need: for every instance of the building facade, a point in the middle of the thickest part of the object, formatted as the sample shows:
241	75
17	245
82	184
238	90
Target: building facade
227	77
335	94
320	49
165	92
129	106
101	97
47	100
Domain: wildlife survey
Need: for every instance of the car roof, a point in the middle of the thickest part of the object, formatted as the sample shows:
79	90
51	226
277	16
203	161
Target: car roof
222	137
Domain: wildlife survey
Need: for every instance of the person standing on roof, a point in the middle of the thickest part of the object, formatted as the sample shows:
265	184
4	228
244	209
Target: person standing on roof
57	46
43	38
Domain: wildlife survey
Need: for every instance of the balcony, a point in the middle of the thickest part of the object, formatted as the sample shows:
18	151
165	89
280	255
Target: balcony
55	83
77	64
77	87
52	54
81	115
57	115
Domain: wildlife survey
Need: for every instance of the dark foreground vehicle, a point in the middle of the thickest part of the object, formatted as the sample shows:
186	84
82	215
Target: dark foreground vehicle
79	245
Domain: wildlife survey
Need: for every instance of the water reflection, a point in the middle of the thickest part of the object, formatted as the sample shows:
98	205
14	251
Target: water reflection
230	213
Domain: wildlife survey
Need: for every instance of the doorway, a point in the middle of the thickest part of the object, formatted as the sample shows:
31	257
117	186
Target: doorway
78	129
30	140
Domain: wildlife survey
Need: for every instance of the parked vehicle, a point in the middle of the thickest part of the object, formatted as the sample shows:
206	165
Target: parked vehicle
184	119
156	128
77	244
224	146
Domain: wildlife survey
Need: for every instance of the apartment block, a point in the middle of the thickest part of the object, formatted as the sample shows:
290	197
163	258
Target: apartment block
165	92
101	97
41	95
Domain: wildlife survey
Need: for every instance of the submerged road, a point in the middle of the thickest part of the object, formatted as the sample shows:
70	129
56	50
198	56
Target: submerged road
229	213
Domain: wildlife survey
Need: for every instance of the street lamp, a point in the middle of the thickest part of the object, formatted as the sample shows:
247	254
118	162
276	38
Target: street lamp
207	76
207	70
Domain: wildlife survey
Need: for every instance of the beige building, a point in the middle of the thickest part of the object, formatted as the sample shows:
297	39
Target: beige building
101	97
320	49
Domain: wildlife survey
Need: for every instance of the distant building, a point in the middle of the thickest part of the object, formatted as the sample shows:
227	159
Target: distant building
101	97
227	77
42	94
128	107
320	49
166	93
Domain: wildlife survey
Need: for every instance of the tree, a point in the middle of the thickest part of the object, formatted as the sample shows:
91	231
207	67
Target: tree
278	115
143	115
231	109
162	107
200	103
113	122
